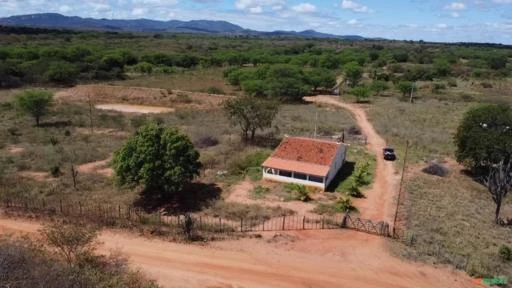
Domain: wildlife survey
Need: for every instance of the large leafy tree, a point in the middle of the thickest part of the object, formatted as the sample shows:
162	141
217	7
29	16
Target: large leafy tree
162	159
484	138
250	114
353	73
361	93
34	102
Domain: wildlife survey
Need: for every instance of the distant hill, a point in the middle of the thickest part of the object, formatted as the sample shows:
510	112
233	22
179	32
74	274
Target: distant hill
55	20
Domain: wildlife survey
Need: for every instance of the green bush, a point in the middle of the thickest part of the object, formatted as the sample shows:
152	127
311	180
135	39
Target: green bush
505	253
299	192
242	162
259	192
362	176
55	171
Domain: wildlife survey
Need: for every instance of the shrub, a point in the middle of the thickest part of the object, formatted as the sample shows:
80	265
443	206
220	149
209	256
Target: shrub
505	253
452	83
344	205
188	227
242	162
206	141
362	175
355	192
55	171
299	192
183	98
260	192
354	130
215	90
486	85
436	170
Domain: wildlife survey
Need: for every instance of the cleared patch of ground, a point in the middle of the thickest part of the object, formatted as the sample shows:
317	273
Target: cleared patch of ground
128	108
98	167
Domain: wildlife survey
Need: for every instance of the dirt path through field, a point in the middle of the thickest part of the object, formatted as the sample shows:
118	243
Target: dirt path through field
329	258
379	203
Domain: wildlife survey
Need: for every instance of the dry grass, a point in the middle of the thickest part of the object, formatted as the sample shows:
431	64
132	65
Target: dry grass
429	125
451	221
197	80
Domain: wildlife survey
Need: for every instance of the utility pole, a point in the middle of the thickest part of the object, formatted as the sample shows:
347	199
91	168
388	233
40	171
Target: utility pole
90	114
412	89
316	122
401	184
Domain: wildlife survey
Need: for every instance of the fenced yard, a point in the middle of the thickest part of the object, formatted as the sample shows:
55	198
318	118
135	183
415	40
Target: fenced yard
119	215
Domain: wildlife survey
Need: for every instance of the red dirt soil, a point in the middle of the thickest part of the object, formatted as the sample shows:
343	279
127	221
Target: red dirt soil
329	258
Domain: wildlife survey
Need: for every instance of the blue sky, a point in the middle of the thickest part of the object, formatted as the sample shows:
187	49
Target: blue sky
434	20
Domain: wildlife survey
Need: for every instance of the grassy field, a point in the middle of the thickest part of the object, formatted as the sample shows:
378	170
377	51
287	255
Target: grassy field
449	220
196	80
65	140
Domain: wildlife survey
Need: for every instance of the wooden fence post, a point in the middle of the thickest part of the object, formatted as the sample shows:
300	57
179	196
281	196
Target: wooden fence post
220	224
80	207
284	220
241	224
323	222
60	201
303	222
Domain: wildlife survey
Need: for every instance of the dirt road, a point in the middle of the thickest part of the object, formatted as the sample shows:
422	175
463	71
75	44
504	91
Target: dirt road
379	203
335	258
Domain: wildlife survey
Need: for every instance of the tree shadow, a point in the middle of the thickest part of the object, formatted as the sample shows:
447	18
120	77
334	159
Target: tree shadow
55	124
192	198
346	171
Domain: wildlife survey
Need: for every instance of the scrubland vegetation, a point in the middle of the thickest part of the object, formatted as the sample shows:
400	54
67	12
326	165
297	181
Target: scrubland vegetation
449	219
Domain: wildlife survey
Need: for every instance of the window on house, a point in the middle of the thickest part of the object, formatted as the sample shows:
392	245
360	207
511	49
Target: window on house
316	179
300	176
285	173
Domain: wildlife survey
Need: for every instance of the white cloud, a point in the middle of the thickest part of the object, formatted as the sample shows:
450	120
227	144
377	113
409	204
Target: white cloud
455	6
442	26
455	14
256	10
353	22
304	8
254	4
65	9
354	6
138	12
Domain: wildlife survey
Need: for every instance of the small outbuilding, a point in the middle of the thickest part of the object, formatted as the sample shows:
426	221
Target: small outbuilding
306	161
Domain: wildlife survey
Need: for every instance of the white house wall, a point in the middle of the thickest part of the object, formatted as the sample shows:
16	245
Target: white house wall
336	164
292	180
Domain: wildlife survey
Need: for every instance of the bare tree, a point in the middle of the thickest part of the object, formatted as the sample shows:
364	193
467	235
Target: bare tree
499	183
74	174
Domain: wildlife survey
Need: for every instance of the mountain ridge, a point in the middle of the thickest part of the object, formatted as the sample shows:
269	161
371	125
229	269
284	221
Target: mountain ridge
56	20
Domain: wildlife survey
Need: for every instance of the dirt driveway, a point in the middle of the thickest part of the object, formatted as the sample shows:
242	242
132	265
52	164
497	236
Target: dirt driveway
329	258
379	203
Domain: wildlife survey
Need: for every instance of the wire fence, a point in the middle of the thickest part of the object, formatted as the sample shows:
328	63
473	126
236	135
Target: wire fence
113	215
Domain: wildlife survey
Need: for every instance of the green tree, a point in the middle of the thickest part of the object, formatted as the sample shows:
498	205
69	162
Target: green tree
256	88
379	86
61	72
405	87
320	78
353	73
161	159
71	241
362	93
442	68
250	114
34	102
484	137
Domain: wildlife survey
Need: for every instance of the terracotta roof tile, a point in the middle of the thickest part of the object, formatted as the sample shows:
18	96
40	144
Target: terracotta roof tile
307	150
295	166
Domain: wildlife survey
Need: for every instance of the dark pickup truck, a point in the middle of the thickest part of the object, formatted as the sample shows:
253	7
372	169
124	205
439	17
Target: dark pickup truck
389	154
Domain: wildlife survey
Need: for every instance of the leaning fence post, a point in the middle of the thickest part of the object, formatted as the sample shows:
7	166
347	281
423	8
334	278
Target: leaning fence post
344	221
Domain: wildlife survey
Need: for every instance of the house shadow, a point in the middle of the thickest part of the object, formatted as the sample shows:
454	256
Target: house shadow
192	198
346	171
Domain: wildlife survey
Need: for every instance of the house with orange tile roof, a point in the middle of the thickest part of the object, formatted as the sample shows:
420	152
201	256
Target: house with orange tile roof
306	161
